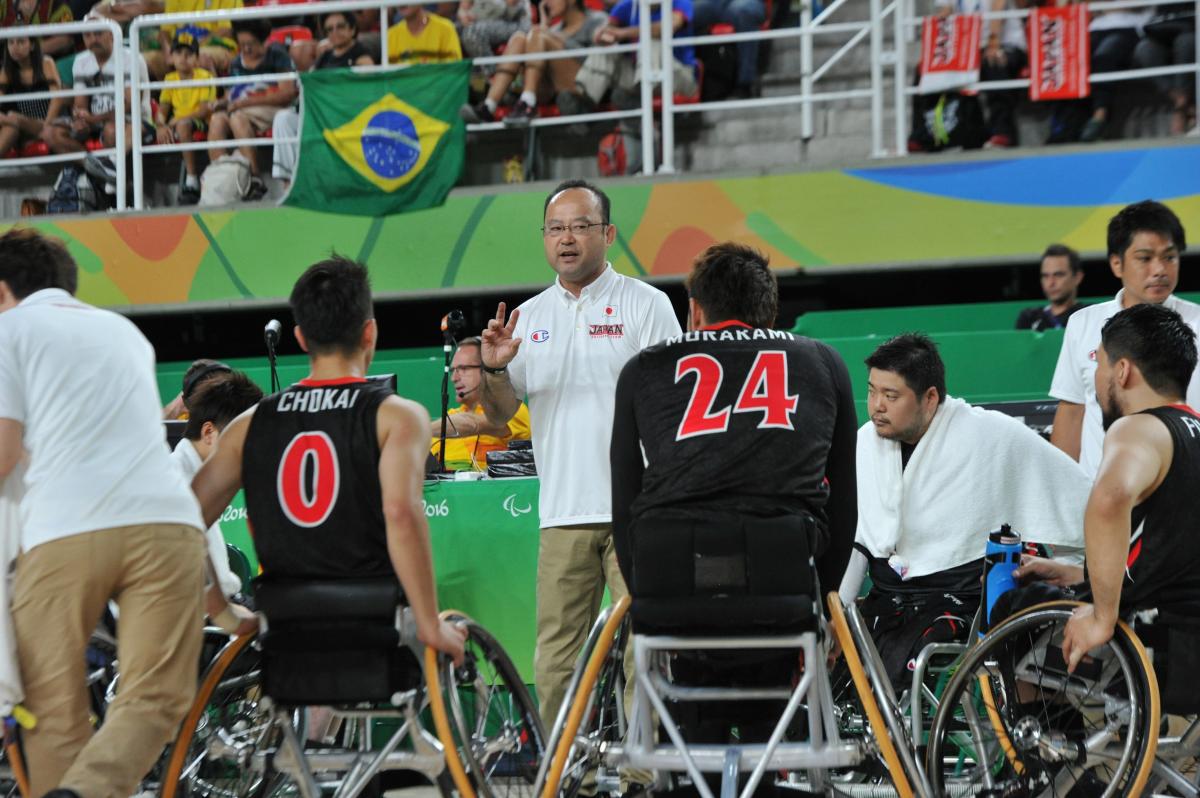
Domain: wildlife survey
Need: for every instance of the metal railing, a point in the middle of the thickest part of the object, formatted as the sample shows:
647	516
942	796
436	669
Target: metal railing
117	151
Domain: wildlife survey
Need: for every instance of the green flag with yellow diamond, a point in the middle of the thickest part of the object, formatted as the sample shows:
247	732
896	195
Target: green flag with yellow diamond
380	143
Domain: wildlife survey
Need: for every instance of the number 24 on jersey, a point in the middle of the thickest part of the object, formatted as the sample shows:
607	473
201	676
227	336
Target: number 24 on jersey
764	391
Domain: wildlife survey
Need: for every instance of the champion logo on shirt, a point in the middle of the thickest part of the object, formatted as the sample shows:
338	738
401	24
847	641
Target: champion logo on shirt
539	336
1092	356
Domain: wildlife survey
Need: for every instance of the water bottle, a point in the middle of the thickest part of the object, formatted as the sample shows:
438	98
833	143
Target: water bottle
1002	557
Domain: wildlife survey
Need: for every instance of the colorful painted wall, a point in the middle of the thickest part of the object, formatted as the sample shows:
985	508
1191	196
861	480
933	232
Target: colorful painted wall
918	212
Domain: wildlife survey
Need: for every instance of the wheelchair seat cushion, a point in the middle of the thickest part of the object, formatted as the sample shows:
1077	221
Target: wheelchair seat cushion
333	642
724	616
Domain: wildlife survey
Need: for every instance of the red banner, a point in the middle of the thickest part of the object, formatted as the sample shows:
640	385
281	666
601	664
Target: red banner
1059	53
949	52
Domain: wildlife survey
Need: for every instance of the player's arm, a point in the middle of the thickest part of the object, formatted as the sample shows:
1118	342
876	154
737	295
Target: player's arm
841	472
215	484
1068	428
12	445
625	456
1137	453
499	347
403	446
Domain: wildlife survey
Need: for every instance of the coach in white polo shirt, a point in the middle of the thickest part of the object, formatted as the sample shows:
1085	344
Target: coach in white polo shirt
105	515
1144	242
564	350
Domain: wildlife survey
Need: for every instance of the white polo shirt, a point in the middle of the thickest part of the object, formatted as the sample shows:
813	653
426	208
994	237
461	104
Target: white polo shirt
572	351
81	381
188	460
1075	374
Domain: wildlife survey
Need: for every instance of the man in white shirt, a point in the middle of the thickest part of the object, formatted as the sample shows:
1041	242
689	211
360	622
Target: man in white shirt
1144	243
581	332
221	398
104	516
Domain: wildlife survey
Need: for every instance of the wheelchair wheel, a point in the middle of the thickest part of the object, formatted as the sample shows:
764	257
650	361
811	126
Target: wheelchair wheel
226	717
594	715
1013	721
497	727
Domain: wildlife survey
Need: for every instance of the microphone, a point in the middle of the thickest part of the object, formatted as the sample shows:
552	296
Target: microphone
271	333
453	322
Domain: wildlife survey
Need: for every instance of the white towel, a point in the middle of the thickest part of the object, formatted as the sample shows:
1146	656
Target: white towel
11	489
972	471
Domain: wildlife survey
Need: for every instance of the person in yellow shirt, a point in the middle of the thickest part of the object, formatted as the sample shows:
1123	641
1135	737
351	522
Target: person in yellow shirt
183	111
217	44
469	435
422	38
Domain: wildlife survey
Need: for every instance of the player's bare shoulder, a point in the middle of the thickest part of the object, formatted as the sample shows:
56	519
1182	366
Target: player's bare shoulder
400	416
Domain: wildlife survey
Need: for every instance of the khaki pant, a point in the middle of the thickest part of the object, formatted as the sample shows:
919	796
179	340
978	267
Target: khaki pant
603	70
574	565
155	575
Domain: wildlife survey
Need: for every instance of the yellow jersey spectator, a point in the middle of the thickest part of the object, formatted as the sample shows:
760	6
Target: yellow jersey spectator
469	435
217	44
422	38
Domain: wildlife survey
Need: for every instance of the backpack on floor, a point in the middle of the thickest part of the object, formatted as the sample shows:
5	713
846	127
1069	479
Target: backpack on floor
225	182
74	191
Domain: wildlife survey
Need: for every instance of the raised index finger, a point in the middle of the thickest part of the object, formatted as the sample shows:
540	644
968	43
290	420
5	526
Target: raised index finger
500	313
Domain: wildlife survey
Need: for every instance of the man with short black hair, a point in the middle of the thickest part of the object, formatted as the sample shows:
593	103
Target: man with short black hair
201	370
104	516
333	466
573	339
1061	274
736	420
221	397
1144	244
935	476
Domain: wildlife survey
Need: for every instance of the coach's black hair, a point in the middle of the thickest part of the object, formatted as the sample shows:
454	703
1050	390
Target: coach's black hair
605	205
732	281
914	356
220	400
1063	251
1158	341
30	261
331	302
1146	216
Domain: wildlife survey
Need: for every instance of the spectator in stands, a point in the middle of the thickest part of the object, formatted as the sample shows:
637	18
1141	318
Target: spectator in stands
1144	243
602	71
344	50
27	70
422	37
94	116
1114	36
367	22
218	44
250	108
486	24
1061	275
576	28
469	434
184	111
1170	39
124	11
40	12
744	16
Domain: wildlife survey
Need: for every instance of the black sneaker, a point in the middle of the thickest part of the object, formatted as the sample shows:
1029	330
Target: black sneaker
520	114
476	114
189	195
101	167
571	103
257	189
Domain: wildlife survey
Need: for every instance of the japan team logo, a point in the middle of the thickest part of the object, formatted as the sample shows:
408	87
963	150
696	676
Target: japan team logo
308	480
539	336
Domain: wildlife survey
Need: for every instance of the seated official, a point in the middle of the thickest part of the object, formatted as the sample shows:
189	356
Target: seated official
935	476
1138	529
469	434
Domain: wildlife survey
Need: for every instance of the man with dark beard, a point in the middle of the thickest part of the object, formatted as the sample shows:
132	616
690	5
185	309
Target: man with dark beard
1141	551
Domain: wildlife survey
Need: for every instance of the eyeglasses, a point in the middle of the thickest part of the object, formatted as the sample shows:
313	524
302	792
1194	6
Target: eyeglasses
576	228
459	369
336	26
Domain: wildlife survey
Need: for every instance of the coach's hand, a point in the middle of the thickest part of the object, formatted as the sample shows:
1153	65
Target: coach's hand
1084	632
447	638
499	346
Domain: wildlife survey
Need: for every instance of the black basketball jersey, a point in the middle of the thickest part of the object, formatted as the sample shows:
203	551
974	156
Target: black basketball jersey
1163	566
738	420
310	468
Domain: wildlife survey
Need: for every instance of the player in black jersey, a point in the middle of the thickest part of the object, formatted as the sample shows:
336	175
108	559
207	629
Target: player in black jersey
333	466
736	419
1139	528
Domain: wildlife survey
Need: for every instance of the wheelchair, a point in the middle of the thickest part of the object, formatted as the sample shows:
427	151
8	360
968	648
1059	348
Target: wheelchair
738	600
344	655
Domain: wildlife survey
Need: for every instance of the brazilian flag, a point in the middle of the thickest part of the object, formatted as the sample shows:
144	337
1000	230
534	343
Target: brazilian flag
380	143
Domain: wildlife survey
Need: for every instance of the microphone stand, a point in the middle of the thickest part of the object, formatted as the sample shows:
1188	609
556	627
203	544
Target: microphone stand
447	350
271	360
